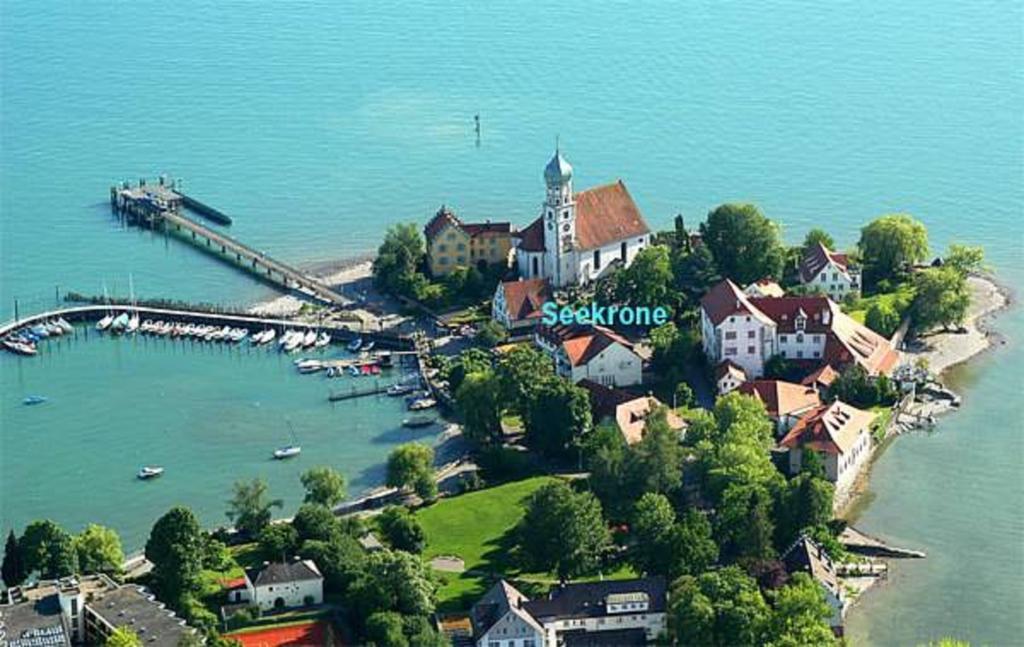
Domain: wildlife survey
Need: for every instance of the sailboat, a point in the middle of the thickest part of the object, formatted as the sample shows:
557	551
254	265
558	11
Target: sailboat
120	322
309	338
288	451
63	323
108	319
133	320
323	340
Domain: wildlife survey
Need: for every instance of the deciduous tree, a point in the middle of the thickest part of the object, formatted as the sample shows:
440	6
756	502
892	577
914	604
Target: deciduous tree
250	506
941	298
315	522
882	318
558	417
744	243
398	259
49	549
563	531
278	542
815	236
99	550
655	464
722	608
800	616
412	466
323	485
889	244
402	530
479	402
175	549
123	637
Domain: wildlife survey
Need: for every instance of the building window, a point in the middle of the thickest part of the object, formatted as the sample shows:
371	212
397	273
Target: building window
461	247
751	334
730	351
451	236
442	247
536	269
597	259
799	354
799	339
817	353
750	350
565	215
622	252
782	339
461	259
730	334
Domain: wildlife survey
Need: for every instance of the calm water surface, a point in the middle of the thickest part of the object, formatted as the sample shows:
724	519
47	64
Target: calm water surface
317	125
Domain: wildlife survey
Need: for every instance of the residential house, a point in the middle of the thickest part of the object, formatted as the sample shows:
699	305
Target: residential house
839	433
729	376
807	330
580	237
517	304
627	411
821	379
829	272
785	402
85	610
452	243
283	585
619	612
806	556
592	352
764	288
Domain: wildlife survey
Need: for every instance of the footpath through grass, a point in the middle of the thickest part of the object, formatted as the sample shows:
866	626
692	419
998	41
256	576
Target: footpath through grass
478	527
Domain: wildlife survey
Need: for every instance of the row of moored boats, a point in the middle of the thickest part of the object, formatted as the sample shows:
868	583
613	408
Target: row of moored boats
25	340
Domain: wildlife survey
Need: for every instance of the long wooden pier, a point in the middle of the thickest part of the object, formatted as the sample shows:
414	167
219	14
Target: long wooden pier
159	207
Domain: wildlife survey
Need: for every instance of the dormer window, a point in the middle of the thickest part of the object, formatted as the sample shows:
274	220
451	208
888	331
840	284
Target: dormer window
801	323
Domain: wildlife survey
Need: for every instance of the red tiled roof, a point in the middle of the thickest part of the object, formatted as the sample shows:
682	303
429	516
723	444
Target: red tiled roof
583	343
817	311
723	300
523	299
781	398
233	583
824	376
604	215
831	428
477	228
817	257
444	216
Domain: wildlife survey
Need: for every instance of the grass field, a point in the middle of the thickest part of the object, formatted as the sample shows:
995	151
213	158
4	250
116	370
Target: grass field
478	527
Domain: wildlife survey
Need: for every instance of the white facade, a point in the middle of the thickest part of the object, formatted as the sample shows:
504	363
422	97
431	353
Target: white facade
293	592
841	468
515	628
742	338
652	623
835	282
615	365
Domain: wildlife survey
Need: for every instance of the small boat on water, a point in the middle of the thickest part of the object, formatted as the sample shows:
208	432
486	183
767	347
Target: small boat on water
105	322
65	326
422	403
293	342
20	347
238	334
149	472
353	371
416	422
355	344
323	339
34	399
53	329
268	335
40	330
396	390
120	322
288	451
309	338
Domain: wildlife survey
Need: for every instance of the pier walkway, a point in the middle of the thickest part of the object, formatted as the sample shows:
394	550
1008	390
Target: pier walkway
159	207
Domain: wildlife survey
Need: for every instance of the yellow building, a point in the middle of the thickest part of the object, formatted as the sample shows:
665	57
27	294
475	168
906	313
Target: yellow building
452	243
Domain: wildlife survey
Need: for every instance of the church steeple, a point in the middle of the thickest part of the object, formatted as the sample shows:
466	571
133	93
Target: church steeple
560	218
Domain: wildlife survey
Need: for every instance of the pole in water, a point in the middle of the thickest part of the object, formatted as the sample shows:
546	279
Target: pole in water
16	309
476	119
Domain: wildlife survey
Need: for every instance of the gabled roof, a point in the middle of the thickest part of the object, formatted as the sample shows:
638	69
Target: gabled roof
806	556
726	299
823	376
444	216
283	572
477	228
523	299
830	428
587	599
582	343
604	215
629	411
764	288
499	600
729	367
816	257
781	398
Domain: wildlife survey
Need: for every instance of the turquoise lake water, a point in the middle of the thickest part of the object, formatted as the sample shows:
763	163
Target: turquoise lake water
316	125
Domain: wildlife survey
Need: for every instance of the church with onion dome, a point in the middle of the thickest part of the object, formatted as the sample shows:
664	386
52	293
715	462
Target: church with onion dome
580	237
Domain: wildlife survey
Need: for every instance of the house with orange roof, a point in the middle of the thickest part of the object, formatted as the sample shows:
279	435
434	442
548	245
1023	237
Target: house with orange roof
452	243
627	411
807	330
829	272
517	304
580	237
591	352
839	433
785	402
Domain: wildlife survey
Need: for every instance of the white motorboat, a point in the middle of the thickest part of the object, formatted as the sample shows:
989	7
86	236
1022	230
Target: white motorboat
286	337
422	403
120	322
63	323
149	472
53	329
396	390
355	344
294	342
105	322
323	340
309	338
133	323
20	347
269	335
238	334
369	346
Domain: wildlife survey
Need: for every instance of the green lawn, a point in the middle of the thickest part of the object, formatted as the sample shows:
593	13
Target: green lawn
903	294
478	527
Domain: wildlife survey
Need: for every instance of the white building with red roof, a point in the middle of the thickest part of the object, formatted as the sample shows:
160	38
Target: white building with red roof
839	433
517	304
591	352
580	237
830	272
808	330
785	402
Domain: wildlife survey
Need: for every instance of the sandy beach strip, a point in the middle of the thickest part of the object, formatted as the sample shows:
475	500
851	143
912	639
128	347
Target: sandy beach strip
337	275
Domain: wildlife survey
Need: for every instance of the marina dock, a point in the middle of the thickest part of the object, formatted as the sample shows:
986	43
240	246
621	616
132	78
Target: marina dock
160	207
